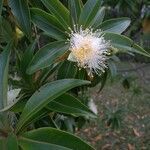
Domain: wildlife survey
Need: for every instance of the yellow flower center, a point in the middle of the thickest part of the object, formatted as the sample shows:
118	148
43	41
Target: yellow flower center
82	54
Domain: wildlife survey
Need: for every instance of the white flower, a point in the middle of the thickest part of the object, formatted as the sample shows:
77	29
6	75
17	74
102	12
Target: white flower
12	95
89	49
92	106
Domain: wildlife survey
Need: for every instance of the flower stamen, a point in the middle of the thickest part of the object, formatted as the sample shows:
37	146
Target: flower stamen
89	49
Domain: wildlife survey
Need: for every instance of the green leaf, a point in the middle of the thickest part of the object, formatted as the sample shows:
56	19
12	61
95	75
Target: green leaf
28	144
47	72
37	4
89	11
117	25
57	137
59	11
124	44
112	68
99	79
7	33
68	104
25	60
12	143
47	55
68	69
16	106
48	23
97	20
20	10
75	7
4	62
44	95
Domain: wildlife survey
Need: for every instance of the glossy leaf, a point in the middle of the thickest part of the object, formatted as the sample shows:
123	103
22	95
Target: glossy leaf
57	137
68	104
75	7
117	25
124	44
88	12
97	20
44	95
58	10
28	144
47	56
20	10
4	62
48	23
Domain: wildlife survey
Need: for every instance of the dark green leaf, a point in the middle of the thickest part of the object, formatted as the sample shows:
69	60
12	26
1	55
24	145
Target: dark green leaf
12	143
112	68
59	11
20	10
57	137
67	70
44	95
68	104
37	4
17	106
4	62
7	33
103	81
126	83
97	20
47	72
47	55
28	144
25	60
117	25
88	12
125	44
75	10
48	23
2	143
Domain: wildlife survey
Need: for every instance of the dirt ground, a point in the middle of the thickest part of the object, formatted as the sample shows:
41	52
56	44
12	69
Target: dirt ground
125	98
